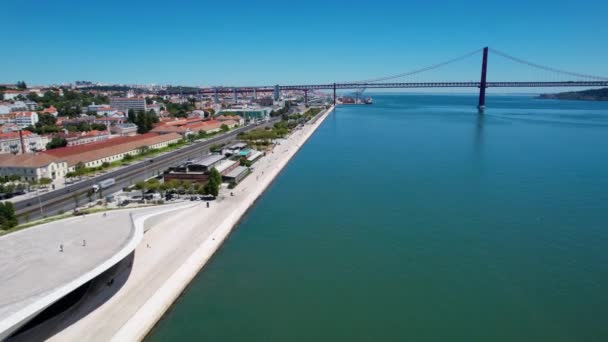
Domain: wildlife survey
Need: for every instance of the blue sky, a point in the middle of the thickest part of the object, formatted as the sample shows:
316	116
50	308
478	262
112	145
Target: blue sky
284	42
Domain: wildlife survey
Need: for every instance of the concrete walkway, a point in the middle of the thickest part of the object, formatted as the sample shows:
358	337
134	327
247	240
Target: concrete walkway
172	252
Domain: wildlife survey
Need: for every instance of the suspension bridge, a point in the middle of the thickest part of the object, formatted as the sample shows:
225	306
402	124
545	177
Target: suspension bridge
565	79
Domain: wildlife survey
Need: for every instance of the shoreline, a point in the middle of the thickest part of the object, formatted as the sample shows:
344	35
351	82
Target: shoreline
152	311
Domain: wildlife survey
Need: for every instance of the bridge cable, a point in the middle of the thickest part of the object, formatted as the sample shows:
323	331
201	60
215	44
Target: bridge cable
546	68
417	71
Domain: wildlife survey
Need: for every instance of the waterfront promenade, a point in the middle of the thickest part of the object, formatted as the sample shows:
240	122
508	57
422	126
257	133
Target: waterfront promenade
174	249
41	265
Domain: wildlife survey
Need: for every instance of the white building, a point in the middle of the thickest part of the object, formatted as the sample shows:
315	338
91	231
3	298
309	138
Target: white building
21	119
103	110
10	142
32	167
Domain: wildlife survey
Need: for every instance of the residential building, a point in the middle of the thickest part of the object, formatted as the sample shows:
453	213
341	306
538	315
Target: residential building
156	107
13	94
125	129
10	142
32	167
21	119
126	103
102	110
51	110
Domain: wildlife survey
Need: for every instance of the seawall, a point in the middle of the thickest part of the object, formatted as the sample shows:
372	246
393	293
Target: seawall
140	324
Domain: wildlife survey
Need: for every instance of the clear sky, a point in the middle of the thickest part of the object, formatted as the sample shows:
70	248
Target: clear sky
283	42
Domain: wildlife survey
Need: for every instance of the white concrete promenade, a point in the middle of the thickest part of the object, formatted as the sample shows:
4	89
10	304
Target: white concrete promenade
172	252
40	265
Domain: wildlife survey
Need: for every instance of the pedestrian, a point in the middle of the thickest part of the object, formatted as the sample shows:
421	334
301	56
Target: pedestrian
147	245
207	204
61	248
84	243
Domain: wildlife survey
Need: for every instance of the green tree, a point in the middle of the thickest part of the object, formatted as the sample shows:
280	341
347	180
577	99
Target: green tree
162	189
21	85
141	186
56	142
45	181
142	150
213	185
80	168
8	219
225	128
132	116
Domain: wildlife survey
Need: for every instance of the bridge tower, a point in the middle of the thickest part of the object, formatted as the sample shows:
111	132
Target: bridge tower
216	97
335	98
482	84
277	93
236	97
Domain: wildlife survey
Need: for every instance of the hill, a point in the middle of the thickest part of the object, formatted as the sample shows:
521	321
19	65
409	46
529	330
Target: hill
585	95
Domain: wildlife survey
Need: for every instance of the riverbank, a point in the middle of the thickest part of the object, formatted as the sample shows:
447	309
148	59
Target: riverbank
173	252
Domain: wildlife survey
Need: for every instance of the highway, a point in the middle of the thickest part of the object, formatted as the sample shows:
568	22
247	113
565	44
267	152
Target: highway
74	195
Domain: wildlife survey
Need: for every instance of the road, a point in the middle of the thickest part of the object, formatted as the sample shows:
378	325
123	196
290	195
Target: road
74	195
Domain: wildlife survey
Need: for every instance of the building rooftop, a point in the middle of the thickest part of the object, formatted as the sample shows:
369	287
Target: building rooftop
208	160
225	164
95	151
236	172
27	160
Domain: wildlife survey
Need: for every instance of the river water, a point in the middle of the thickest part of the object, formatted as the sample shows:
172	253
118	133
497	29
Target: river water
417	219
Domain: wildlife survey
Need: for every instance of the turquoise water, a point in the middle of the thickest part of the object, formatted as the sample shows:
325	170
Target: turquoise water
415	219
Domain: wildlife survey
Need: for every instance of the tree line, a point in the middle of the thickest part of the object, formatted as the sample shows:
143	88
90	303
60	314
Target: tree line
144	120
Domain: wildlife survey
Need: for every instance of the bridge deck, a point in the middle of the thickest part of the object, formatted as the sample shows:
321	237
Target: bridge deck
396	85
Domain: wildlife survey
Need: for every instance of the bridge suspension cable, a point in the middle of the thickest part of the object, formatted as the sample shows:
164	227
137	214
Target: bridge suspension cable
547	68
418	71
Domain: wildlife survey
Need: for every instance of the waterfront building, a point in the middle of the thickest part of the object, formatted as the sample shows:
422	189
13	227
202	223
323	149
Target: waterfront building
206	163
226	166
126	103
236	176
255	156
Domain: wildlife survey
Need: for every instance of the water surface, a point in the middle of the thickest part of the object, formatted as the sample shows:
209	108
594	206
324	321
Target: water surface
416	219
